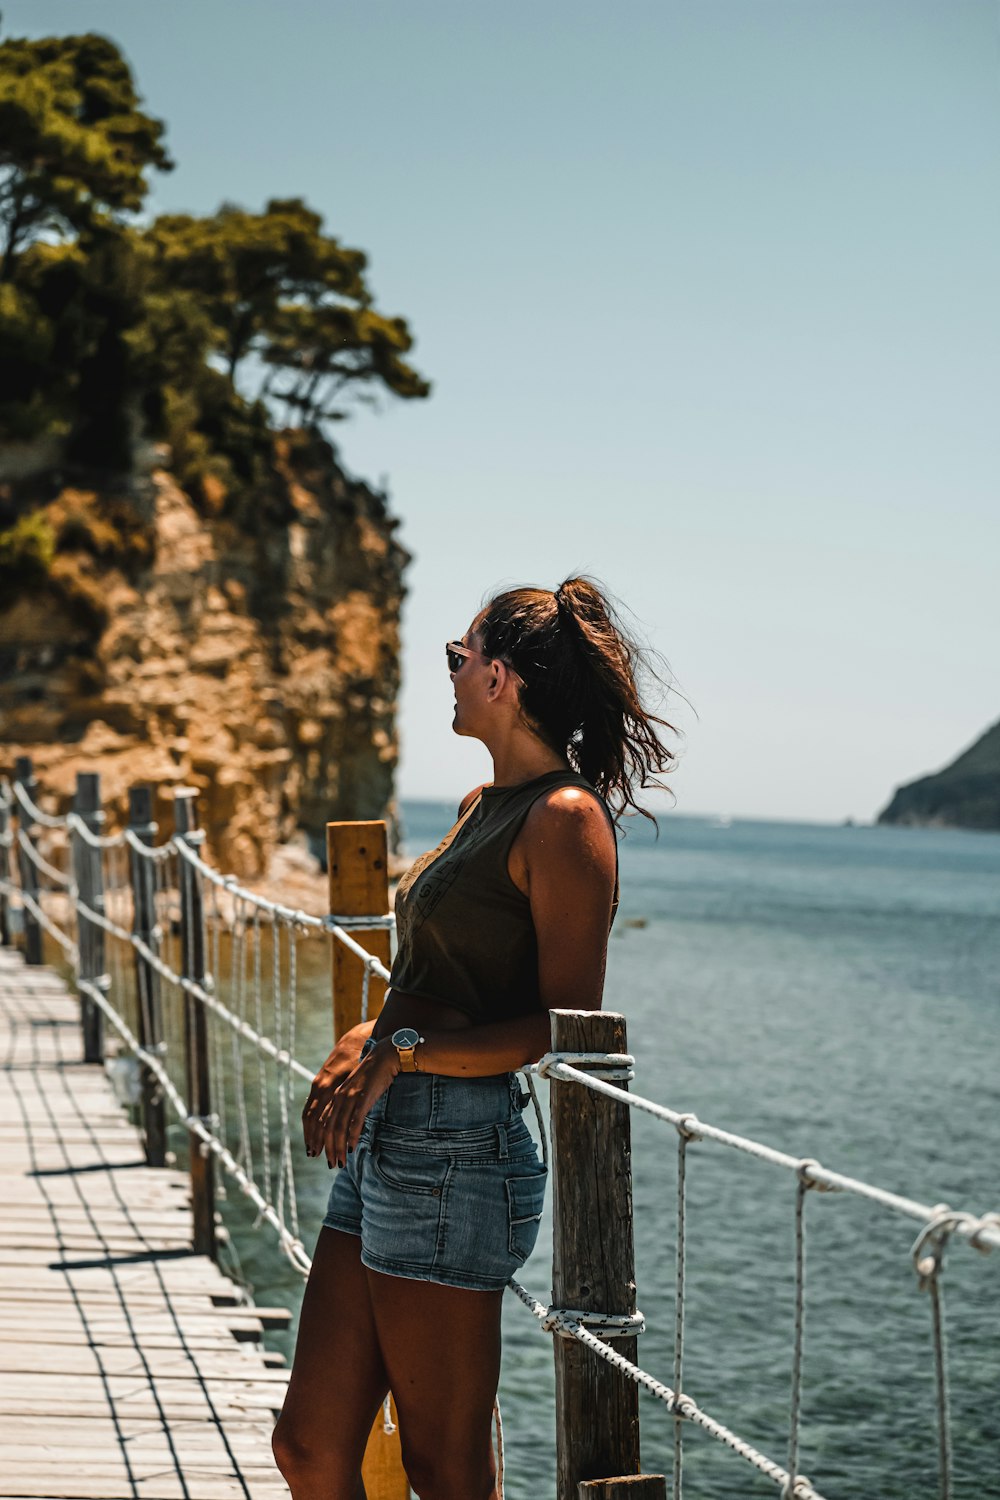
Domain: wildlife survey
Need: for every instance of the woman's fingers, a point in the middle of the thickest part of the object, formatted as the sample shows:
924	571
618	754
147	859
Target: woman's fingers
314	1114
336	1127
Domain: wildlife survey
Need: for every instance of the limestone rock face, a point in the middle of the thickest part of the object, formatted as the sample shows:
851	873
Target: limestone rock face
258	663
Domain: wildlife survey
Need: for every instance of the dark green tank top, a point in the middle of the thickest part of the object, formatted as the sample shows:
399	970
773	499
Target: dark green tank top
464	931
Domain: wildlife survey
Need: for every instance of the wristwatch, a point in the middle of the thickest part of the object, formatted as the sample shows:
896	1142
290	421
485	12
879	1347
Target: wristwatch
405	1040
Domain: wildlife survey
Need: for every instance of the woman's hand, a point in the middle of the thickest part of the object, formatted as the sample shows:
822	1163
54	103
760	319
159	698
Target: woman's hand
340	1123
338	1066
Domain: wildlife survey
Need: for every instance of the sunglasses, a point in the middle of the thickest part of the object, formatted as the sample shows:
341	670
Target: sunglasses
456	654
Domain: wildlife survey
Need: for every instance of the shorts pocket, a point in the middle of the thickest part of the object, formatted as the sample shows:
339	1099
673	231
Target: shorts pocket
525	1197
409	1171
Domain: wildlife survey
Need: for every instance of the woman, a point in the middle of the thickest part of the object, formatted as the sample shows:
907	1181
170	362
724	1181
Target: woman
441	1189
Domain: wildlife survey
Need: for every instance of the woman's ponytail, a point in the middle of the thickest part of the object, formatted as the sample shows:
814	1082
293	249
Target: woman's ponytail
581	672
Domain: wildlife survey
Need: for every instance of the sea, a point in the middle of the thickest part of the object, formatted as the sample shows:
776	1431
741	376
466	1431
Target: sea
833	991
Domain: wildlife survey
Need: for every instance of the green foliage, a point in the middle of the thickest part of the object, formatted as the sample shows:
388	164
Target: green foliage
74	144
274	288
26	552
197	330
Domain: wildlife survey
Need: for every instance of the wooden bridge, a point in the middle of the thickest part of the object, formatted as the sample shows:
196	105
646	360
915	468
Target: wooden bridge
129	1366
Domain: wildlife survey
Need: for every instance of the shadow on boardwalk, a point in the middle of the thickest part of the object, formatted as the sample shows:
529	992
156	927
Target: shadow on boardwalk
127	1365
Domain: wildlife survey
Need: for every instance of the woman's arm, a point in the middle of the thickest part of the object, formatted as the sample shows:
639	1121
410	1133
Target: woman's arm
564	862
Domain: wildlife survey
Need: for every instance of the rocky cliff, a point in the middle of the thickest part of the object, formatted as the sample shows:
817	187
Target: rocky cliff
259	662
966	794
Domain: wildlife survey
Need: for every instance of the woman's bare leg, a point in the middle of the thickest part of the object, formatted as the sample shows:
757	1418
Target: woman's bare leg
338	1380
441	1347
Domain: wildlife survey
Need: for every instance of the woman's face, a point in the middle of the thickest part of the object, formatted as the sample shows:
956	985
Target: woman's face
471	683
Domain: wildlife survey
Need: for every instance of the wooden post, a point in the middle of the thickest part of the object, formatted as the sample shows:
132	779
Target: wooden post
593	1261
358	867
88	869
147	980
5	873
199	1096
24	772
628	1487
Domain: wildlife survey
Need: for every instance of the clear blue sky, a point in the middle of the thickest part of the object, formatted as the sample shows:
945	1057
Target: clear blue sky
709	295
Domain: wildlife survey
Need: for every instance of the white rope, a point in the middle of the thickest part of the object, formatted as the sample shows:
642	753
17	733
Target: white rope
43	920
610	1066
560	1320
34	812
333	924
262	1110
983	1231
238	998
676	1402
41	863
77	824
156	852
683	1138
191	987
292	1247
934	1238
802	1188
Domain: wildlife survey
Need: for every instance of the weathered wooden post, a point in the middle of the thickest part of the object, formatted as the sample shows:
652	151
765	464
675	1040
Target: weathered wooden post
24	775
358	868
147	980
593	1263
199	1095
628	1487
88	870
6	835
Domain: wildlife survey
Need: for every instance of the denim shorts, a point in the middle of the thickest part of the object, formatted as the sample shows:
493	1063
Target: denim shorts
445	1183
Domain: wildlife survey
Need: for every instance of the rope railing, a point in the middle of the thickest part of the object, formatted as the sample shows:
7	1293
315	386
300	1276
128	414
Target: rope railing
938	1223
982	1231
258	1025
253	924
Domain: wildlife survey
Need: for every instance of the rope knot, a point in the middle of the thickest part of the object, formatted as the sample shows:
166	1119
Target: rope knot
610	1067
565	1320
802	1171
686	1126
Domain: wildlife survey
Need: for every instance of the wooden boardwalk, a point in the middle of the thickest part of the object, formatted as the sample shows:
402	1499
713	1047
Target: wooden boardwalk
128	1367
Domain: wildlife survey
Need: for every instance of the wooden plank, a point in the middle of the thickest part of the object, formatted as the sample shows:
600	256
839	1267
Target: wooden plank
128	1371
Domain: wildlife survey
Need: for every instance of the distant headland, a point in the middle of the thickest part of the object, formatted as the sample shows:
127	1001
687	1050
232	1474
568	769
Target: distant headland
965	794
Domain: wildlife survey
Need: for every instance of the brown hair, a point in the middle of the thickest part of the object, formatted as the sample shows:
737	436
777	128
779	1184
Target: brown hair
580	667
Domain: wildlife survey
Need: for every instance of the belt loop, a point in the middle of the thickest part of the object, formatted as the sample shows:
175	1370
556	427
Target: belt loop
502	1141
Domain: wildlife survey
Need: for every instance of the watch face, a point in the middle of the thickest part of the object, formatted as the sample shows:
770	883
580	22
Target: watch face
405	1037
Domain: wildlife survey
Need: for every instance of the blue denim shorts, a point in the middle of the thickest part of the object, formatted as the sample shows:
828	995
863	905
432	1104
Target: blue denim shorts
445	1183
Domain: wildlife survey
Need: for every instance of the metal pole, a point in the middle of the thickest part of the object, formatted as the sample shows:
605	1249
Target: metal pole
24	774
5	870
88	869
147	980
199	1095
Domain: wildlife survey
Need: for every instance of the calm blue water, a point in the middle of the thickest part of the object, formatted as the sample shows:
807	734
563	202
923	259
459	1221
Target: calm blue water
834	992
